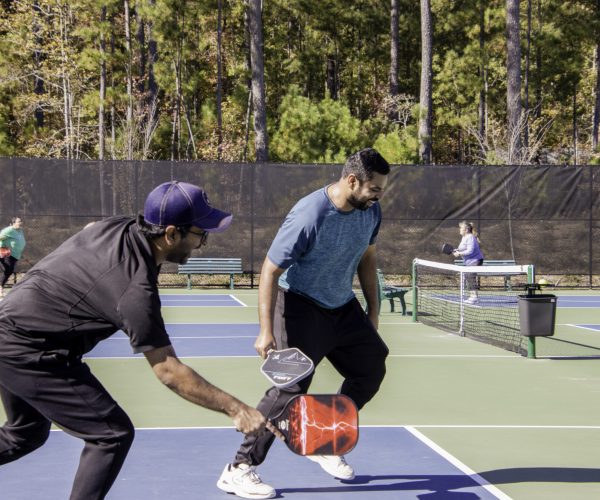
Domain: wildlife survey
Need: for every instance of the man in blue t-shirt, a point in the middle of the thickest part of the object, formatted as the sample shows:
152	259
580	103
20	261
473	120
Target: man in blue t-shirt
306	301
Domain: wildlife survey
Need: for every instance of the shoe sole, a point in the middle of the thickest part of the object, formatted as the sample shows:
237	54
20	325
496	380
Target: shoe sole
229	488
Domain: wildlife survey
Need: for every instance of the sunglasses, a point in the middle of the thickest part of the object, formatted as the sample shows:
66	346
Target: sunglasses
203	236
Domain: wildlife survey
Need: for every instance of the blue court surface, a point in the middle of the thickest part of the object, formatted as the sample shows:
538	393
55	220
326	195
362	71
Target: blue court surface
568	301
190	340
181	300
184	464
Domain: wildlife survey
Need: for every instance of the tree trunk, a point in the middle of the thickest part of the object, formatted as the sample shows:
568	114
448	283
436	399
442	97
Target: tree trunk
258	81
101	132
394	48
248	83
176	130
425	95
482	74
150	101
596	118
128	64
394	59
513	84
66	86
526	82
152	58
101	111
575	128
143	61
332	85
219	82
113	112
538	65
38	83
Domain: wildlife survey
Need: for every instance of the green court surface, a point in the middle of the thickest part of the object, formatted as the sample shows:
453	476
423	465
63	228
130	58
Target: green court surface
530	427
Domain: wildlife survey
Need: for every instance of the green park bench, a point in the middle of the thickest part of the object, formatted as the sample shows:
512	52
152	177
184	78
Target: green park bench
206	265
387	292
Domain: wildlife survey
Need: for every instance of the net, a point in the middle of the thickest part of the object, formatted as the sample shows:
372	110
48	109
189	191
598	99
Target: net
480	302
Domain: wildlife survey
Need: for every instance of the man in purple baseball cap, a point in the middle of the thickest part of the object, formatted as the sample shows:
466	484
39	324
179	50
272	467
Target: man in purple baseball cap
181	204
101	280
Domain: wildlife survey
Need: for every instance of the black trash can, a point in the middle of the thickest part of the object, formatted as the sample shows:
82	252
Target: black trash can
537	314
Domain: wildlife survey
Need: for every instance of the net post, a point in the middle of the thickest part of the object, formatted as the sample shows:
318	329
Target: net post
531	340
531	347
461	326
531	273
414	291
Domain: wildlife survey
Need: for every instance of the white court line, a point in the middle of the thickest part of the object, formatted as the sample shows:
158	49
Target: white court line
458	464
196	298
140	356
380	426
541	427
238	300
584	327
404	323
252	356
195	305
194	338
461	356
574	296
213	324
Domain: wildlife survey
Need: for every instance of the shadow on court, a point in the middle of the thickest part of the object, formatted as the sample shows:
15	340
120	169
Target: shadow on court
439	486
542	475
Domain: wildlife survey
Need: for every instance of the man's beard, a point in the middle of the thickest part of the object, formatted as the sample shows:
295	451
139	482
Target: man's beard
178	257
361	205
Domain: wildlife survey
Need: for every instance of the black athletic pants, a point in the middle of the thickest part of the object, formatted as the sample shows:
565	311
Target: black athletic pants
7	265
55	389
344	336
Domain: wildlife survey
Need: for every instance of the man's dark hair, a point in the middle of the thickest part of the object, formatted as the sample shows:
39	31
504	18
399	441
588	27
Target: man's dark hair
364	163
150	230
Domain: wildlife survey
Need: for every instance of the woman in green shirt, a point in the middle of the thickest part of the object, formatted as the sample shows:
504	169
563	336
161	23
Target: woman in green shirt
11	237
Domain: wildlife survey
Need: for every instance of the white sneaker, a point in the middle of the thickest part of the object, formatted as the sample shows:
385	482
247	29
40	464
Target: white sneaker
472	300
334	465
244	482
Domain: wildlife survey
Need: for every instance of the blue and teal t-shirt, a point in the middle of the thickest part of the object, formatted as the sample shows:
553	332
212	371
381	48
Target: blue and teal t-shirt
14	239
321	246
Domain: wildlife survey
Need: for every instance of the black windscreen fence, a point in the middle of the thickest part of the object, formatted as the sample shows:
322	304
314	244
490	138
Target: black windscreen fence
548	216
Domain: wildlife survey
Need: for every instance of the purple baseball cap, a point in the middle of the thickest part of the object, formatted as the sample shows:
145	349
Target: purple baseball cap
181	204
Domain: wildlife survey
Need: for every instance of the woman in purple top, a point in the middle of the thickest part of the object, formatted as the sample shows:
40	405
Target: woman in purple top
472	255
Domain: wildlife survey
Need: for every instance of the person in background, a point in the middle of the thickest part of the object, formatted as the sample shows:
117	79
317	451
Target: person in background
13	239
471	254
